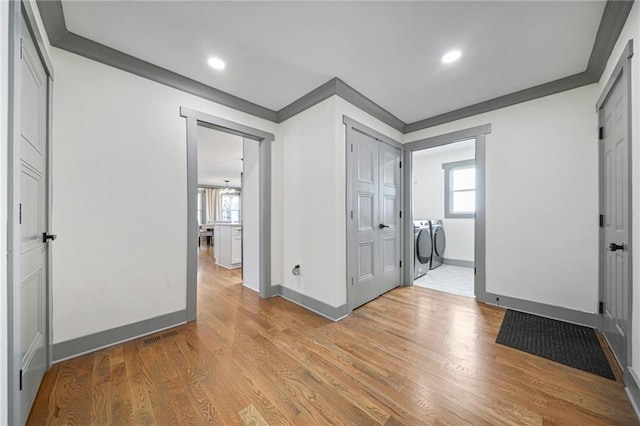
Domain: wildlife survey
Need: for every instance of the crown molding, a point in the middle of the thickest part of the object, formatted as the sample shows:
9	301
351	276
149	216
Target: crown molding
613	19
60	37
312	98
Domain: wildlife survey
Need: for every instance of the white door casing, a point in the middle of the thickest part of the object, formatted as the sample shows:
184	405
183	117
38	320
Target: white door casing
375	239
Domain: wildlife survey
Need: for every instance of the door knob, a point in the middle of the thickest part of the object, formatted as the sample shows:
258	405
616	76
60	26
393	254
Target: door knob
616	247
382	226
46	237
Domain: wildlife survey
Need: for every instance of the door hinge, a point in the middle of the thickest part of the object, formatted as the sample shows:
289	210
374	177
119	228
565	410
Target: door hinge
351	147
401	263
475	271
601	133
20	215
401	213
601	307
20	380
401	164
351	214
351	282
21	48
601	220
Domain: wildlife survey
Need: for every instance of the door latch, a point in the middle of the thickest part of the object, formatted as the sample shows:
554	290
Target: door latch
46	237
616	247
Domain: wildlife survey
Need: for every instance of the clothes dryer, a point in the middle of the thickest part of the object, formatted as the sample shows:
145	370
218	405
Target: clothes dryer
439	242
423	248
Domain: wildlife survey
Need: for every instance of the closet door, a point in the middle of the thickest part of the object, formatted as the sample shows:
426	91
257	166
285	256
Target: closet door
390	228
375	217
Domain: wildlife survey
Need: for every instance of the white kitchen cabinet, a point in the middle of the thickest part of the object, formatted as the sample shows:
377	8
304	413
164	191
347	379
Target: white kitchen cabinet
228	245
216	239
236	249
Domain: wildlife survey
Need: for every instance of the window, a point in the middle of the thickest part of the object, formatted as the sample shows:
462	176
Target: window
230	207
201	201
460	189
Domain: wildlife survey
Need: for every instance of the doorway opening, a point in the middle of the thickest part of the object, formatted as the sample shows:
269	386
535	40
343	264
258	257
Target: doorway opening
464	199
253	207
219	206
444	205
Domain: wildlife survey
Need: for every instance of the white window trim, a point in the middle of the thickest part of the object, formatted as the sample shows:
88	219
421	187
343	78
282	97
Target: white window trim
448	193
202	216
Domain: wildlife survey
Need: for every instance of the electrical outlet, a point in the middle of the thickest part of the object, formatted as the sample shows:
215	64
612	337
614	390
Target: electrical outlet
296	270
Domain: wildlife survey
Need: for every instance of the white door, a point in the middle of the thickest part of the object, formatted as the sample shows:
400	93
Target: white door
375	180
615	232
31	310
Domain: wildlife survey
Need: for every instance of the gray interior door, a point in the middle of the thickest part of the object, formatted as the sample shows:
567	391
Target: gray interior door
30	314
615	232
375	175
390	228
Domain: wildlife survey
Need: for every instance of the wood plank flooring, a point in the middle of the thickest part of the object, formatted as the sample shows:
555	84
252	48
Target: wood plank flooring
413	356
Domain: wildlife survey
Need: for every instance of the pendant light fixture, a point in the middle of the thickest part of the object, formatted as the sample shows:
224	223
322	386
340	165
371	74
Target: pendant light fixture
226	189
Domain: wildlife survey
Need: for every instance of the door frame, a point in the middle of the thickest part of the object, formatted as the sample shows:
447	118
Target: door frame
195	119
350	245
478	133
18	10
622	73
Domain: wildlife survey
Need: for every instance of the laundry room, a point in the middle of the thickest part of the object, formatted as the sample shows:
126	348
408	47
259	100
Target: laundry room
444	195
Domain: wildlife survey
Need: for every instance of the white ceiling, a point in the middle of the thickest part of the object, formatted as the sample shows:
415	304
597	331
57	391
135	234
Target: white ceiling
456	146
219	158
277	52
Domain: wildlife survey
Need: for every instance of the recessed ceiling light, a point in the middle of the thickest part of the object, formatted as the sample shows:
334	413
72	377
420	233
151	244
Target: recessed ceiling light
216	63
451	56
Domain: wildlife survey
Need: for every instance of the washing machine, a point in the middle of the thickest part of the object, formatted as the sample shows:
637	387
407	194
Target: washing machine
439	242
423	248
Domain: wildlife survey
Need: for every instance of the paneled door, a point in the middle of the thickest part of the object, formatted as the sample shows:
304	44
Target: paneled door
375	217
615	209
31	311
390	222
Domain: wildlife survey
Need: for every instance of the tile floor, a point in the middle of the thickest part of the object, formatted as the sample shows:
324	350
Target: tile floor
451	279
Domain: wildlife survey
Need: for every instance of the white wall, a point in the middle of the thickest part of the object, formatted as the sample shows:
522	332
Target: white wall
541	198
630	31
313	237
119	175
428	199
251	215
312	149
4	133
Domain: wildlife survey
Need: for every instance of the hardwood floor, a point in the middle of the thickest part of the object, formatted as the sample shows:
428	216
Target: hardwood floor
413	356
